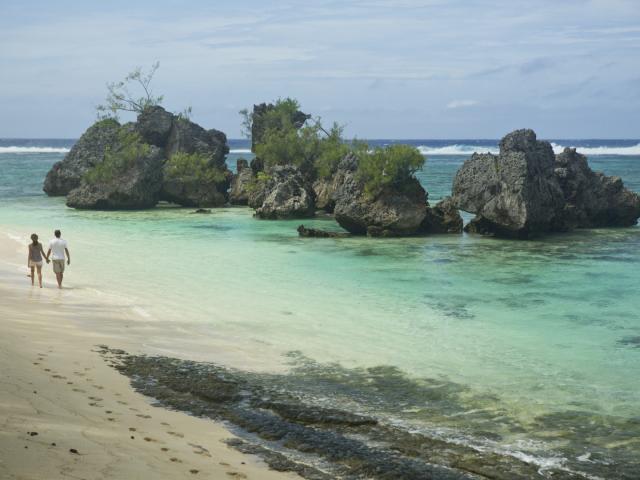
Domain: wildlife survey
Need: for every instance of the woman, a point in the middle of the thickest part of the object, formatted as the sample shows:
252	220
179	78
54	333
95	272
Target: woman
36	252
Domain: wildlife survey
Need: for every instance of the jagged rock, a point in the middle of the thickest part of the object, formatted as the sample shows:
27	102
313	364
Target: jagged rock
314	232
133	187
444	217
241	183
515	193
258	127
154	125
324	190
189	137
282	193
395	211
190	191
593	199
87	152
202	210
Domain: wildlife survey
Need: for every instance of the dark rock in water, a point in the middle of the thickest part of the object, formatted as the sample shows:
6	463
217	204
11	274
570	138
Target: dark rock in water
313	232
191	191
132	186
515	193
241	183
282	193
202	210
526	190
154	125
396	211
593	199
444	217
633	342
87	152
258	125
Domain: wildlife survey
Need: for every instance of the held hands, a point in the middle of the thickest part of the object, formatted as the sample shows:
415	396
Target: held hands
68	261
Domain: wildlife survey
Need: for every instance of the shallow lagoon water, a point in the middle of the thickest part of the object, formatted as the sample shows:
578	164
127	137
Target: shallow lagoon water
525	346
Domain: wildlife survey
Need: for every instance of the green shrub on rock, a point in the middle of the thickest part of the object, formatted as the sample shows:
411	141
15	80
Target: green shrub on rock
192	166
388	166
118	158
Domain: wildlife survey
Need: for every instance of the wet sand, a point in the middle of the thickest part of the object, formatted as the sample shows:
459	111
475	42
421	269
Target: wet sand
65	413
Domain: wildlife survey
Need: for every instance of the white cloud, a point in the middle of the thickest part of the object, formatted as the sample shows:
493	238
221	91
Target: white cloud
461	104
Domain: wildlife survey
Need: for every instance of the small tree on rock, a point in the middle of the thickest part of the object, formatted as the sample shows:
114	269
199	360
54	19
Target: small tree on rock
121	99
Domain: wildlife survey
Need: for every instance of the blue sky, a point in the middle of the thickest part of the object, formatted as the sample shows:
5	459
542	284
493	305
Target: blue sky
401	69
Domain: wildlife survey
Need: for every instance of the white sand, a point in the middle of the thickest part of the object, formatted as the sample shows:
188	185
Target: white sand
55	384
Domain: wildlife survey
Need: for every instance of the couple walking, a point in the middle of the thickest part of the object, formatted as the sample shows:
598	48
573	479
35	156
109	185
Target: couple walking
57	250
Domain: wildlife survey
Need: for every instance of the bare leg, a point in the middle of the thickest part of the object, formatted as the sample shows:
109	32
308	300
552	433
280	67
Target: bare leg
32	275
39	276
59	279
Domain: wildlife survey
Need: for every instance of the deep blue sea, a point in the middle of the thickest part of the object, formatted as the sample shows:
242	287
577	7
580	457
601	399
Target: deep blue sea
533	346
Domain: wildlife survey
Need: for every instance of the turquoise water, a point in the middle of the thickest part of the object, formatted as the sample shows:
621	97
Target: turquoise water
534	345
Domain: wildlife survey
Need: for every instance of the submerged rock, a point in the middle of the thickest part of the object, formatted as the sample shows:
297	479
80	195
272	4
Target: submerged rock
313	232
591	198
87	152
395	211
241	183
281	193
444	217
515	193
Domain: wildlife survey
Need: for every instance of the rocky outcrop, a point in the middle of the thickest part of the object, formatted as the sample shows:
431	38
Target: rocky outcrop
241	183
258	126
192	191
593	199
204	185
314	232
515	193
281	192
134	187
393	212
526	190
87	152
444	217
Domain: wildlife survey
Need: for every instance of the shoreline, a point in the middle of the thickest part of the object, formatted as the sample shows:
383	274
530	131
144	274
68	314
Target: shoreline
66	413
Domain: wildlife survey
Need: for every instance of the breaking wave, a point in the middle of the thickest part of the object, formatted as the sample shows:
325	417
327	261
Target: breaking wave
458	149
14	149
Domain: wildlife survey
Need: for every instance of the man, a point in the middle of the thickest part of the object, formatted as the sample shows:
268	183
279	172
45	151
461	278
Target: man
59	248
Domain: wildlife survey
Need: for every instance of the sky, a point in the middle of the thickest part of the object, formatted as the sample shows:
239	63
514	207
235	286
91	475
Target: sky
384	69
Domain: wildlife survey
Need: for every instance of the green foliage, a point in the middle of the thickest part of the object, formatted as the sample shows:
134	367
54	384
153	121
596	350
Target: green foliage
192	166
258	181
279	116
332	150
118	158
388	166
119	97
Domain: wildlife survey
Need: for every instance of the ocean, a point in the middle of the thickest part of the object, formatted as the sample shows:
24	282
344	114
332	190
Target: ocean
529	348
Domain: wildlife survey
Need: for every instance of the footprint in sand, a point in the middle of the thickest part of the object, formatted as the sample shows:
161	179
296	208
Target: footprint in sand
47	369
132	429
36	363
236	474
194	471
122	403
143	416
149	439
164	449
97	399
165	424
79	374
176	434
59	376
69	383
175	460
200	450
79	390
98	387
111	419
95	404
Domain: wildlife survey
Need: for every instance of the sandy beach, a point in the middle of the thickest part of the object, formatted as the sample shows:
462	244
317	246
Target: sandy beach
65	413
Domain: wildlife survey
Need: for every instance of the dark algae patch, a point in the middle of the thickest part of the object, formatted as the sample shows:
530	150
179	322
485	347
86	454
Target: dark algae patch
319	421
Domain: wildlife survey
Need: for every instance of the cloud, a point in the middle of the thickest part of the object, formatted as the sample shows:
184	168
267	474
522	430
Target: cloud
461	104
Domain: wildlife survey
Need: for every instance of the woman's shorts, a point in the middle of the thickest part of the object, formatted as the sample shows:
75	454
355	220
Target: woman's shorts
33	264
58	266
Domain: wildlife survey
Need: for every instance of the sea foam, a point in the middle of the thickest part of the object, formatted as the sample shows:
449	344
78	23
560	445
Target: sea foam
461	149
14	149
